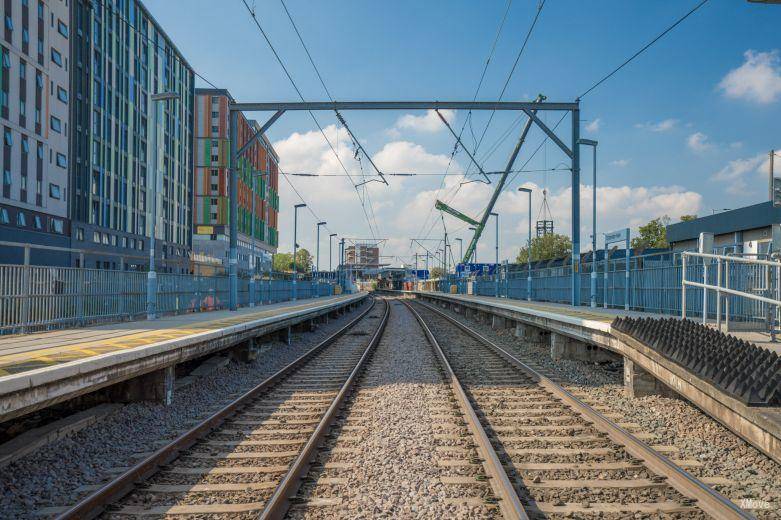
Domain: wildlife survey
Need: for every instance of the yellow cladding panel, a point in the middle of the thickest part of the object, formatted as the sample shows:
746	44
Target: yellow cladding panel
204	230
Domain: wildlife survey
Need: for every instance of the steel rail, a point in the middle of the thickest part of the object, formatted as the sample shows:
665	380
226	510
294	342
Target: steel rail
707	499
279	503
509	502
96	502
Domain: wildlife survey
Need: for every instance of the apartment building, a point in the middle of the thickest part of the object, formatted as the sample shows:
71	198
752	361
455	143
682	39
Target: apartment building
34	116
258	172
121	58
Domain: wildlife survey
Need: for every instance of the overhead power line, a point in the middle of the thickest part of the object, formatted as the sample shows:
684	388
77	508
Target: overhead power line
314	118
644	48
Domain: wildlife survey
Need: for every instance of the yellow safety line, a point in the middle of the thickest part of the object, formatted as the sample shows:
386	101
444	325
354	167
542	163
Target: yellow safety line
138	339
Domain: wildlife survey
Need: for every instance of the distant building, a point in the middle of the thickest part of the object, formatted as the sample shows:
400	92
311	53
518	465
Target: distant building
34	100
258	187
362	255
121	58
748	230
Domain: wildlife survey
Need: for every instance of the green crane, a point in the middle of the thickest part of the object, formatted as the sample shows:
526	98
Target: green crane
480	226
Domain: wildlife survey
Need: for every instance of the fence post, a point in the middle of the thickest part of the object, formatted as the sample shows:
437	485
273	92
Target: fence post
26	285
726	298
683	285
718	293
605	276
704	291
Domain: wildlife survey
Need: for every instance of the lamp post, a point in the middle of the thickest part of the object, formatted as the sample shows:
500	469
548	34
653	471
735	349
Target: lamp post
295	246
330	251
496	268
592	143
318	245
151	277
529	249
474	252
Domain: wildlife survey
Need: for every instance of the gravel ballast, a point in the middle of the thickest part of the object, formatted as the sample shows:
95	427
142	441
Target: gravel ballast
393	442
675	422
52	475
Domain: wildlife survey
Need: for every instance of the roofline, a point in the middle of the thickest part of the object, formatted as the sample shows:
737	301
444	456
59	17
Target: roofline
160	29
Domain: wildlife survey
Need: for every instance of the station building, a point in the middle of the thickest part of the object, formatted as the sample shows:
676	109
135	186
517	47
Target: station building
750	230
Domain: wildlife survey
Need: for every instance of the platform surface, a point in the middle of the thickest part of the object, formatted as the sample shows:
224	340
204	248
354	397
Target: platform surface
25	352
601	315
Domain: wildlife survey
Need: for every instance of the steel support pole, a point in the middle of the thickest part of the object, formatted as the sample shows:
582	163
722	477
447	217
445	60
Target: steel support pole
529	255
575	207
252	241
594	235
605	276
704	291
233	255
151	277
295	250
627	291
496	248
718	294
317	251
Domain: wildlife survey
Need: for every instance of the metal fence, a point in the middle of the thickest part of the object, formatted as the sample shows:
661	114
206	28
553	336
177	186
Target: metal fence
654	281
38	298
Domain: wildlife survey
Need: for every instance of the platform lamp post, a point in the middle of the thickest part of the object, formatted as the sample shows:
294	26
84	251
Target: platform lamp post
317	254
474	252
330	252
496	269
151	276
295	246
593	298
529	248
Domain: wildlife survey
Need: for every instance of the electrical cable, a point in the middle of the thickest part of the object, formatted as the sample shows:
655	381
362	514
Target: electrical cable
643	49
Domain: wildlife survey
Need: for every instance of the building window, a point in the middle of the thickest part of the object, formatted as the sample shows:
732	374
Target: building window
9	23
215	114
54	191
9	140
80	234
62	28
58	226
215	129
96	237
56	124
7	177
62	94
4	216
22	70
37	222
21	219
25	145
62	161
56	57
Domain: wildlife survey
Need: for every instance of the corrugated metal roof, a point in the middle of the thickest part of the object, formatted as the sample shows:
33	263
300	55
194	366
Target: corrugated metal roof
741	219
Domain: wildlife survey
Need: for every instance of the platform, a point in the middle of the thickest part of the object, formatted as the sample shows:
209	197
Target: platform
41	369
573	332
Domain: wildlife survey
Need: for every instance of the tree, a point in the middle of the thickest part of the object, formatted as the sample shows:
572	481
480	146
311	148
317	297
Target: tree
437	272
688	218
546	247
283	262
653	234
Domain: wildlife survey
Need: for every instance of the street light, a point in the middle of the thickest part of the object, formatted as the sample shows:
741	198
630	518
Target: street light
151	277
496	268
318	244
529	248
592	143
330	251
474	251
295	245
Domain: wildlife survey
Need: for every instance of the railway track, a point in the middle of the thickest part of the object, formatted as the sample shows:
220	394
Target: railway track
237	462
562	456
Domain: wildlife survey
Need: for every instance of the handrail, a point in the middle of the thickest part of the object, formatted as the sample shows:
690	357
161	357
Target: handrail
733	259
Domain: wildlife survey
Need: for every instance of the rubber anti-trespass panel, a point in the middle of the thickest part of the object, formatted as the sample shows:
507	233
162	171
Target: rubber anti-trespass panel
747	372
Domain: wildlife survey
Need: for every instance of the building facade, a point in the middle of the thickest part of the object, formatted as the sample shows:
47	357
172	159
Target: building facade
258	187
34	116
364	255
752	230
129	152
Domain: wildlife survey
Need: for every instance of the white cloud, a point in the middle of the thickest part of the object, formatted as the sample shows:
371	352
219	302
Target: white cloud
621	163
428	123
736	173
594	126
698	142
662	126
758	80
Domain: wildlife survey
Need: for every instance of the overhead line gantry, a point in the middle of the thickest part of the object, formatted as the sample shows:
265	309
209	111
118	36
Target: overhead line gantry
530	108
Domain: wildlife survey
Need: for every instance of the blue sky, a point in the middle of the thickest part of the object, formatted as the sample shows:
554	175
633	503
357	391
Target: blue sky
681	129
